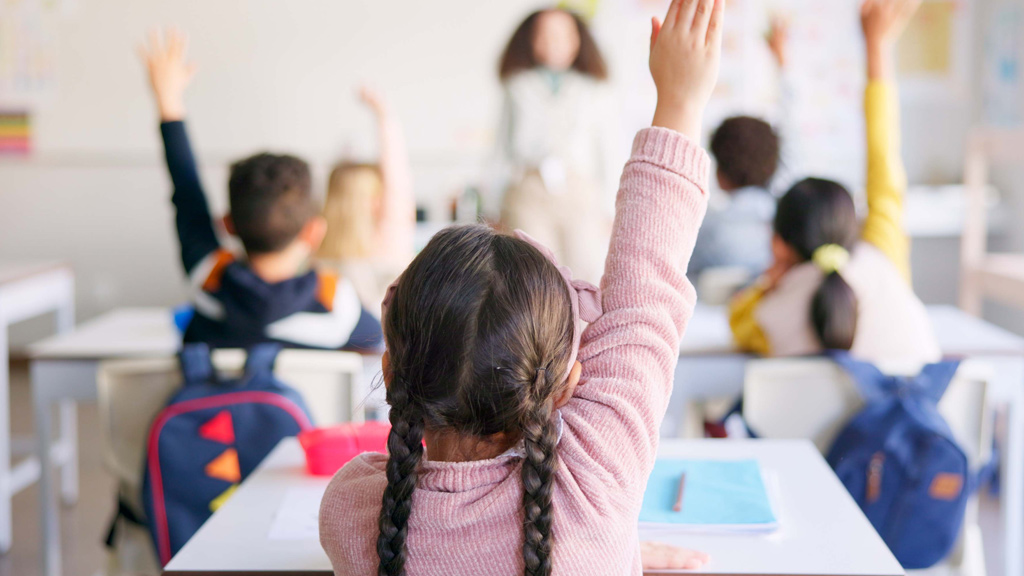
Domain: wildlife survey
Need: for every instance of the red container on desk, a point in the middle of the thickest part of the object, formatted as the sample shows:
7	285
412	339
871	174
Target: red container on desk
328	449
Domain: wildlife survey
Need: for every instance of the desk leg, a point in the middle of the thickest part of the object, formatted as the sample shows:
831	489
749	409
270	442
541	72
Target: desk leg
1013	475
68	426
6	482
48	512
53	382
68	412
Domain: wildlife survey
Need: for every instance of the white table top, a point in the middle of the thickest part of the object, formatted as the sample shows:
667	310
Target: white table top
16	270
959	334
823	532
124	332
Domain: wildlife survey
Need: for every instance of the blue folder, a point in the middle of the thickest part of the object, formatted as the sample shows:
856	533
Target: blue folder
716	495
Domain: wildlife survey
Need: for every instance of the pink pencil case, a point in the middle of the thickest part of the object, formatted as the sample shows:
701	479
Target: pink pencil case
328	449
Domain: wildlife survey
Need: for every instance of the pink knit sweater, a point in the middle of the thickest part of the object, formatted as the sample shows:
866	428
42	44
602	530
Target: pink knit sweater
467	516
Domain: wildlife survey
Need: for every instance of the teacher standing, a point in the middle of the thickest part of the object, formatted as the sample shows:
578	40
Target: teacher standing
555	150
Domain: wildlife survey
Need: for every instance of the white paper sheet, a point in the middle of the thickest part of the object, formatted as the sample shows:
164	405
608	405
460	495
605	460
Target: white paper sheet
298	516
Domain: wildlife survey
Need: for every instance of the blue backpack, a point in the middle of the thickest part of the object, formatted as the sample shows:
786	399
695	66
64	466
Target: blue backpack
209	437
900	462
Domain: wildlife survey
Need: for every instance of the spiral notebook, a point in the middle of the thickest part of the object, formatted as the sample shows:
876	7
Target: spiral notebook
708	496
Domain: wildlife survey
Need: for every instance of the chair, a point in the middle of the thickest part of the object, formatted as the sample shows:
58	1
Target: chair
814	398
717	285
982	273
132	392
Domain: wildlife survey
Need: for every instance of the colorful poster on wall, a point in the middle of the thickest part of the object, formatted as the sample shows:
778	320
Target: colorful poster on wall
28	51
1003	83
928	43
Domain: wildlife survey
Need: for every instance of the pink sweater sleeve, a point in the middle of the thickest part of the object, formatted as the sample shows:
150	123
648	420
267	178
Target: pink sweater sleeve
629	354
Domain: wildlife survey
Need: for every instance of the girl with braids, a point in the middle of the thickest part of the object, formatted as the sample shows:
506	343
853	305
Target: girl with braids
519	443
835	284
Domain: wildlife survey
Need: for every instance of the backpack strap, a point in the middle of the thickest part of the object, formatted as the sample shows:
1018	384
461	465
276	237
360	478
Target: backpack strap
261	358
196	364
935	378
869	380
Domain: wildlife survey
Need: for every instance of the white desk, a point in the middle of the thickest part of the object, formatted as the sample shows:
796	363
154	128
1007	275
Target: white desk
823	532
29	289
711	367
64	372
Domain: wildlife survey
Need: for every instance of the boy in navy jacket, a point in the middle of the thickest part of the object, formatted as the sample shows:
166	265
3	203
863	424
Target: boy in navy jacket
273	294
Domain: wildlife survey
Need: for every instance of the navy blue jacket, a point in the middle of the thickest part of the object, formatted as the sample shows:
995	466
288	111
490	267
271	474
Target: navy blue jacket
235	307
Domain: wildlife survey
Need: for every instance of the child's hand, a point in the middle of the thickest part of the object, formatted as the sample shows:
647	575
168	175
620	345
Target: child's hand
884	20
685	51
658	556
169	72
778	40
373	100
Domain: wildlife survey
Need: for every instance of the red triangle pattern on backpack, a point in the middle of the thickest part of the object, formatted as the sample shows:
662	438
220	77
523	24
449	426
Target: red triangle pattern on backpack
220	428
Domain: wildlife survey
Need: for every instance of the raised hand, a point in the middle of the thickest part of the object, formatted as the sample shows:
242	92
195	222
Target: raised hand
657	556
373	99
778	40
883	21
685	54
169	71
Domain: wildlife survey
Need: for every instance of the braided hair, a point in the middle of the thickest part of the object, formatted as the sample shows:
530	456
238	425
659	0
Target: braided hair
478	333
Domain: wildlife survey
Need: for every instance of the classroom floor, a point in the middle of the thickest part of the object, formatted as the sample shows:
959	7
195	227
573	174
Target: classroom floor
84	525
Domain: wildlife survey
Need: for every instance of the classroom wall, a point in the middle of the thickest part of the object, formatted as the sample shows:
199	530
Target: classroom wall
282	75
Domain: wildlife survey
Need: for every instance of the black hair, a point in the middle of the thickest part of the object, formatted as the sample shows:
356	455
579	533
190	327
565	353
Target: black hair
271	200
814	213
519	56
478	334
747	151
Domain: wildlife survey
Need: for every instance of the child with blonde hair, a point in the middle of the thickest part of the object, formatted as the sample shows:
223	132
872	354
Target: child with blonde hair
371	211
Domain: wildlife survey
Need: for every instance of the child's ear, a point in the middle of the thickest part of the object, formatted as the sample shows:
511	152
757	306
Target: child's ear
229	224
783	253
313	232
570	385
723	181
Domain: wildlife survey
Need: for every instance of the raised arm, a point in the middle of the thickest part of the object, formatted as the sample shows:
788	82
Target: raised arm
883	21
792	154
396	221
169	76
629	354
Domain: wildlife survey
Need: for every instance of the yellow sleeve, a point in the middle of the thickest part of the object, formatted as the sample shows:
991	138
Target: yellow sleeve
887	180
742	319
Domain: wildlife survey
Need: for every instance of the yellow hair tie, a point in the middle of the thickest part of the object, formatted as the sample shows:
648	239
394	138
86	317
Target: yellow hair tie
831	258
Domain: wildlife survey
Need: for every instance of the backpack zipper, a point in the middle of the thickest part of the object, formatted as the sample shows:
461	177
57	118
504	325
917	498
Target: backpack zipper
874	484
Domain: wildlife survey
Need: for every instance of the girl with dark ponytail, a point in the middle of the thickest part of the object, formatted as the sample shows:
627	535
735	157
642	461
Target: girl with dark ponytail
817	220
520	443
835	284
